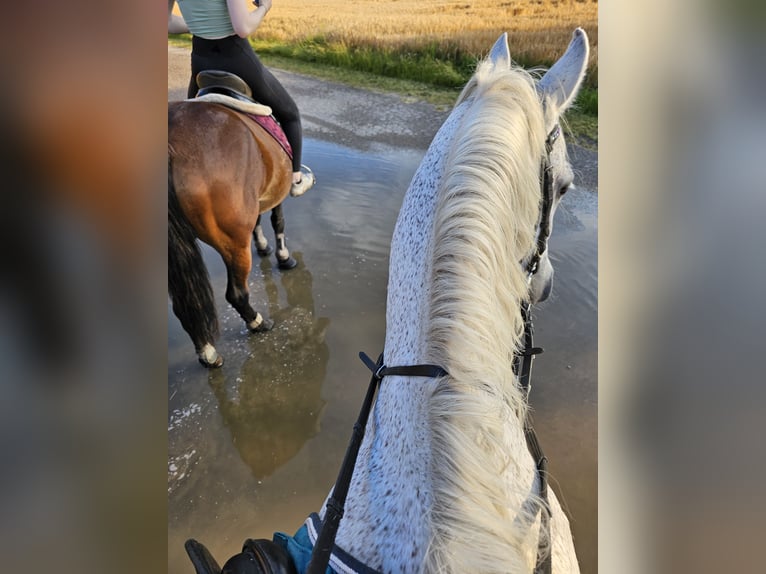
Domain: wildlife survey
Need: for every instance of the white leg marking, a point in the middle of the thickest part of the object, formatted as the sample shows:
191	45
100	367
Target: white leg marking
282	252
208	354
260	239
255	323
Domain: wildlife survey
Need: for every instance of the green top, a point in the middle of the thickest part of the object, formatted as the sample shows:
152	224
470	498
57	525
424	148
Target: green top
207	19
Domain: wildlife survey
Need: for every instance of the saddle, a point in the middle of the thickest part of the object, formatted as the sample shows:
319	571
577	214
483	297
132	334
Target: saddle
257	557
231	91
220	82
228	89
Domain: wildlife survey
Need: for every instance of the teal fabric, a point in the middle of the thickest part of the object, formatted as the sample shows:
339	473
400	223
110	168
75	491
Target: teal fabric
207	18
299	548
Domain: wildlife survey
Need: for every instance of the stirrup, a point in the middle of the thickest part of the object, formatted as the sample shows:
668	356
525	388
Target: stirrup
308	180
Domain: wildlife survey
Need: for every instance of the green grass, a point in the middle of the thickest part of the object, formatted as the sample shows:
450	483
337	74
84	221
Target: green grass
587	101
434	74
410	90
285	58
180	40
428	65
581	128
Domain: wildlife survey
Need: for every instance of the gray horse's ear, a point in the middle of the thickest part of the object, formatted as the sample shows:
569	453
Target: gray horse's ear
560	84
500	55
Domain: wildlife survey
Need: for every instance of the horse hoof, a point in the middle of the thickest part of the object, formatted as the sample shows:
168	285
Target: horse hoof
265	252
285	264
209	357
216	364
263	326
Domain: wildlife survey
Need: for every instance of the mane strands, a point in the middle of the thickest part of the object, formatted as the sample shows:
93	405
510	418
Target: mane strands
487	211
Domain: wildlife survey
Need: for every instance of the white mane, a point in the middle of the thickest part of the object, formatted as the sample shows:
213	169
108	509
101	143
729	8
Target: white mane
488	208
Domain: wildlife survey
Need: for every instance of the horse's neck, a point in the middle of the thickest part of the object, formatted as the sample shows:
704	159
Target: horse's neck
409	282
402	401
409	279
386	520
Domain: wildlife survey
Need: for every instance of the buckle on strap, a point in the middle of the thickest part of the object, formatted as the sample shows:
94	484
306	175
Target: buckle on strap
375	367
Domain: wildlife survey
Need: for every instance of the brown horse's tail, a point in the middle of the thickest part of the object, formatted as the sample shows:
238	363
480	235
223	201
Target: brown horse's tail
188	280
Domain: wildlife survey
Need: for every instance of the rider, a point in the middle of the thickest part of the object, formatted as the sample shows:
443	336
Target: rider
220	29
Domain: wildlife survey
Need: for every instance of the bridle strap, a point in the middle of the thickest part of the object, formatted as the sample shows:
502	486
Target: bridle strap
522	361
544	562
522	366
546	204
379	370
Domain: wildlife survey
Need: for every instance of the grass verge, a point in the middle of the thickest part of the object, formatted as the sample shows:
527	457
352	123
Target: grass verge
429	75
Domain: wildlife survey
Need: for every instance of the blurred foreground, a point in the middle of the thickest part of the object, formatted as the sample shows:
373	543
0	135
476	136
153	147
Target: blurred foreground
683	273
83	293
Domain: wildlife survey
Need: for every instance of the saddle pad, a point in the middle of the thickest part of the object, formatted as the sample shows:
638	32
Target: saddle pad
300	546
275	130
239	105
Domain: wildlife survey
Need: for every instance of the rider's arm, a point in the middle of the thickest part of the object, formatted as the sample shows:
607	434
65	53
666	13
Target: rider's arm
246	22
176	23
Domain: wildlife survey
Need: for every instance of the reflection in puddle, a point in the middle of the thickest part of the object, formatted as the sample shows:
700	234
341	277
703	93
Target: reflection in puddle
274	404
256	445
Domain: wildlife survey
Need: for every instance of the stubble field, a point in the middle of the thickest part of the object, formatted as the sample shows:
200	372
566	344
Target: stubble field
538	29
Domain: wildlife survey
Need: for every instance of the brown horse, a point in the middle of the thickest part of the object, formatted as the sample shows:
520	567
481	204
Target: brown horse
224	170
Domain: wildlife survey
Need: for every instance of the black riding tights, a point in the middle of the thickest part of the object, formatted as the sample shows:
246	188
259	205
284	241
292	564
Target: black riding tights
235	55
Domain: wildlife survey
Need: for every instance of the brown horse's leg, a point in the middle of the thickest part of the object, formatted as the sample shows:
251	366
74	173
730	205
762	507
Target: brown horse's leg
238	294
261	243
284	261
